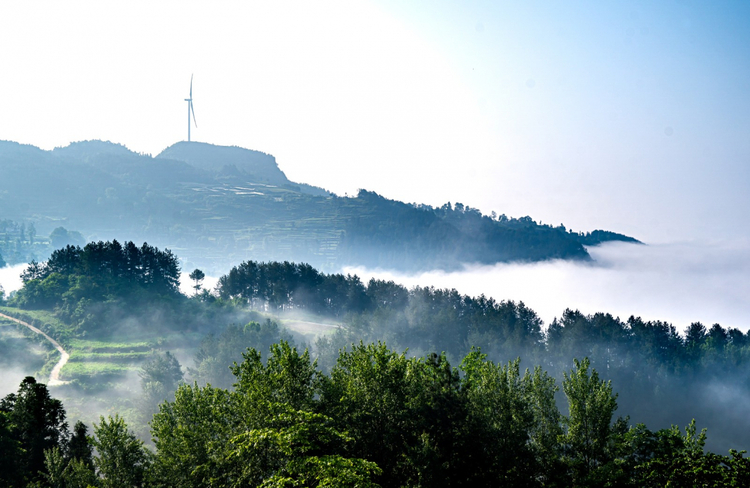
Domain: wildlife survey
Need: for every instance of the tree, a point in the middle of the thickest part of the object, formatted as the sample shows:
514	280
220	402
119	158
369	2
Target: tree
159	380
677	460
12	454
288	377
297	448
79	446
216	354
54	464
514	420
197	276
61	237
36	420
588	427
121	459
192	434
367	393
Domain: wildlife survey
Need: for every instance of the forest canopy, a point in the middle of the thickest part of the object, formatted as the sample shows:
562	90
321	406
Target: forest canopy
98	270
379	418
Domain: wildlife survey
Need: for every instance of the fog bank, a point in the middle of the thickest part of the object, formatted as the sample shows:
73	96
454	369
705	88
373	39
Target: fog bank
10	277
679	282
186	284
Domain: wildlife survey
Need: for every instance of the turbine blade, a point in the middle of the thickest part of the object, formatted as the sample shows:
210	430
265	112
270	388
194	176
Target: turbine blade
191	86
192	110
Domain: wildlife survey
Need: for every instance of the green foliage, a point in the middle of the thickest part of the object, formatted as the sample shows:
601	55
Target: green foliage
54	464
10	447
292	285
73	276
425	425
121	459
197	276
79	447
288	377
367	393
191	435
262	434
297	448
516	418
159	380
588	436
37	422
379	418
65	472
217	353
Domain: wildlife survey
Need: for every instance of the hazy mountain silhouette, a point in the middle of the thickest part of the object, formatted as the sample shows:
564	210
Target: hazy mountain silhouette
220	205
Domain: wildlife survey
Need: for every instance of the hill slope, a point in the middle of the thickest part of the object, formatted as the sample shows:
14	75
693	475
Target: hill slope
221	205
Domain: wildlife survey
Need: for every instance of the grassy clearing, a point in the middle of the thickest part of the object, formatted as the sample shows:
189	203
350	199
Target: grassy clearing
98	360
87	370
44	320
100	346
113	357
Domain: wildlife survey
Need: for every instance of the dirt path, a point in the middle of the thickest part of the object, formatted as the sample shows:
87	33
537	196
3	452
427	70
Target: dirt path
54	377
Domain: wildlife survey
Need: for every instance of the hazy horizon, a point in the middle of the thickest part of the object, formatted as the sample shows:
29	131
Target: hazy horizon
628	117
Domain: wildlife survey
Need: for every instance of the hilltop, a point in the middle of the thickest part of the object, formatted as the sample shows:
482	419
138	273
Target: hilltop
219	205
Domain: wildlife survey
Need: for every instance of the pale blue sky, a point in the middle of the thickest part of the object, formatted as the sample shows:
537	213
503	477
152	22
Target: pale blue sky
629	116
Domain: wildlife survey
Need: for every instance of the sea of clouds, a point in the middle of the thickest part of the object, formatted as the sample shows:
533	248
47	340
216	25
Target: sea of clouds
679	283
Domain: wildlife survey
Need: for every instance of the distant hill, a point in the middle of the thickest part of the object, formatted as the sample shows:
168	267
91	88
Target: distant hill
235	161
217	206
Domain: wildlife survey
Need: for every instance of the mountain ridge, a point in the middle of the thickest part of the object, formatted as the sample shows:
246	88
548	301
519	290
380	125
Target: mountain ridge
220	205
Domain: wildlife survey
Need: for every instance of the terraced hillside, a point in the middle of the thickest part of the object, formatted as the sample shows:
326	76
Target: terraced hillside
217	206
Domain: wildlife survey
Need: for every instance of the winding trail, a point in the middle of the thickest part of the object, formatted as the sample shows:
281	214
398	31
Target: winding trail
54	376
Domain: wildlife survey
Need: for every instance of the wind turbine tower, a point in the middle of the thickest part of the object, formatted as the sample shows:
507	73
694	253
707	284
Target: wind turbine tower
190	107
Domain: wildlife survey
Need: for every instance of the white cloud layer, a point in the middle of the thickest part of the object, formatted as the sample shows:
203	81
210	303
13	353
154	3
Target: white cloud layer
10	277
679	283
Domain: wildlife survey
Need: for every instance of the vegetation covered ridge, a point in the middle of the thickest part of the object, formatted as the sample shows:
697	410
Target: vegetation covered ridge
112	325
219	205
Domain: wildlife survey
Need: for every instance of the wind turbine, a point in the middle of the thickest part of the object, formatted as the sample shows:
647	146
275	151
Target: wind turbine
190	107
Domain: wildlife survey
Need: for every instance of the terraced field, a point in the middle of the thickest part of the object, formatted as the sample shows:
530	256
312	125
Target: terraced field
97	360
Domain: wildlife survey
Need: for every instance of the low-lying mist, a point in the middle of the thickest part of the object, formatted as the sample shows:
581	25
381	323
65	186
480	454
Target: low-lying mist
186	284
10	277
679	282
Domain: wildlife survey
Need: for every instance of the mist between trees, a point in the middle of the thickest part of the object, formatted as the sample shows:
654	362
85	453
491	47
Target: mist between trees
378	418
107	290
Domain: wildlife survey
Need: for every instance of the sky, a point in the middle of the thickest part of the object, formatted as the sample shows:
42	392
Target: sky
627	116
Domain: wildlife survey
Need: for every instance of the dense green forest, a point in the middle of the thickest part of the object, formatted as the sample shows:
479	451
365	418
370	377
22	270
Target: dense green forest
379	418
468	390
217	205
